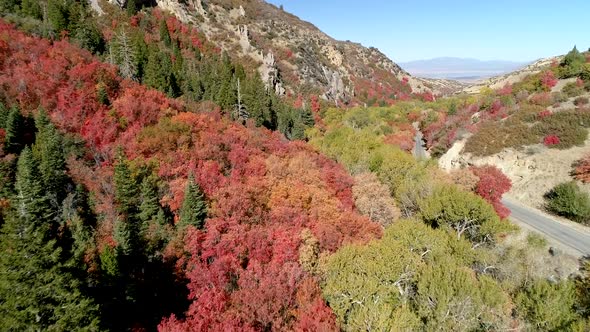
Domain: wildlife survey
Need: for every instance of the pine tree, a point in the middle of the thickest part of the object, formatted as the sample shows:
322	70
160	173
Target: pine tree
149	206
32	203
128	227
32	9
131	7
256	100
9	6
3	115
37	292
165	34
57	14
14	131
158	70
226	94
48	150
194	208
126	189
307	117
85	32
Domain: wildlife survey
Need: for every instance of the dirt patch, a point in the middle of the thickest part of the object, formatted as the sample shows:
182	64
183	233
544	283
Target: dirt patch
533	171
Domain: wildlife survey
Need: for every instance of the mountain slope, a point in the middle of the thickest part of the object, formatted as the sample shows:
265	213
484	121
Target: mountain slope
265	196
295	57
499	81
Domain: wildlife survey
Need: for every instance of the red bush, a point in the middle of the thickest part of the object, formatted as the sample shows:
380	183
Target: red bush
491	186
544	114
551	140
548	80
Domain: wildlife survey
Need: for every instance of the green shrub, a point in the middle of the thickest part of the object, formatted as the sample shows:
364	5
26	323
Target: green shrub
572	90
567	200
569	126
493	137
536	241
463	213
548	307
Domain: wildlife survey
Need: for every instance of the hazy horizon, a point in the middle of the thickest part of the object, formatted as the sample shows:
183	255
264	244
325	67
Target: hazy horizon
425	29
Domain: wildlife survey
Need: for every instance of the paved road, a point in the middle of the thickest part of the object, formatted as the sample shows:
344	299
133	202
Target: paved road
419	151
562	233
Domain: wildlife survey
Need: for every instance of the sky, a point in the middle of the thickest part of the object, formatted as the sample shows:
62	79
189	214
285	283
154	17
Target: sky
516	30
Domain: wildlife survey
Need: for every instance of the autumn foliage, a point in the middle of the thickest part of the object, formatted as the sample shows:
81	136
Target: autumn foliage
582	170
551	140
491	186
243	269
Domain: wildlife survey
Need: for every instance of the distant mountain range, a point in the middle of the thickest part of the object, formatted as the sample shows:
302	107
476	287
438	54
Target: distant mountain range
464	69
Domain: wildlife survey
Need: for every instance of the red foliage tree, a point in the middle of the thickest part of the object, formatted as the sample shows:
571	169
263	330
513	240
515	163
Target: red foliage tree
491	186
548	80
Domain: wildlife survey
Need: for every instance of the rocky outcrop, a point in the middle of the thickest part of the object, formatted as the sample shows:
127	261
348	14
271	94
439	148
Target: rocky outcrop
337	91
244	38
270	74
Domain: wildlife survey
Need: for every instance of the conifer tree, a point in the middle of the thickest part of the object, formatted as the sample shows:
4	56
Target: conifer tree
32	203
307	117
194	208
158	70
149	206
32	9
57	14
131	7
3	115
37	292
14	131
165	34
126	189
48	150
127	231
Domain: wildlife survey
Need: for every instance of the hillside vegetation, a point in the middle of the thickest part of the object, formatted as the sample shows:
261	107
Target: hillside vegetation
153	182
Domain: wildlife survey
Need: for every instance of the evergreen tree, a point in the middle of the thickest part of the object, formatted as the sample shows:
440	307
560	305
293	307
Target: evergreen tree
226	94
15	128
158	70
149	206
9	6
32	202
256	100
307	118
37	292
194	208
3	115
86	34
126	189
141	53
131	7
127	229
572	64
32	9
165	34
57	14
48	150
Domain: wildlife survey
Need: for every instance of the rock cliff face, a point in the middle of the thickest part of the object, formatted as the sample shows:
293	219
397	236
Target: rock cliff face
294	57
